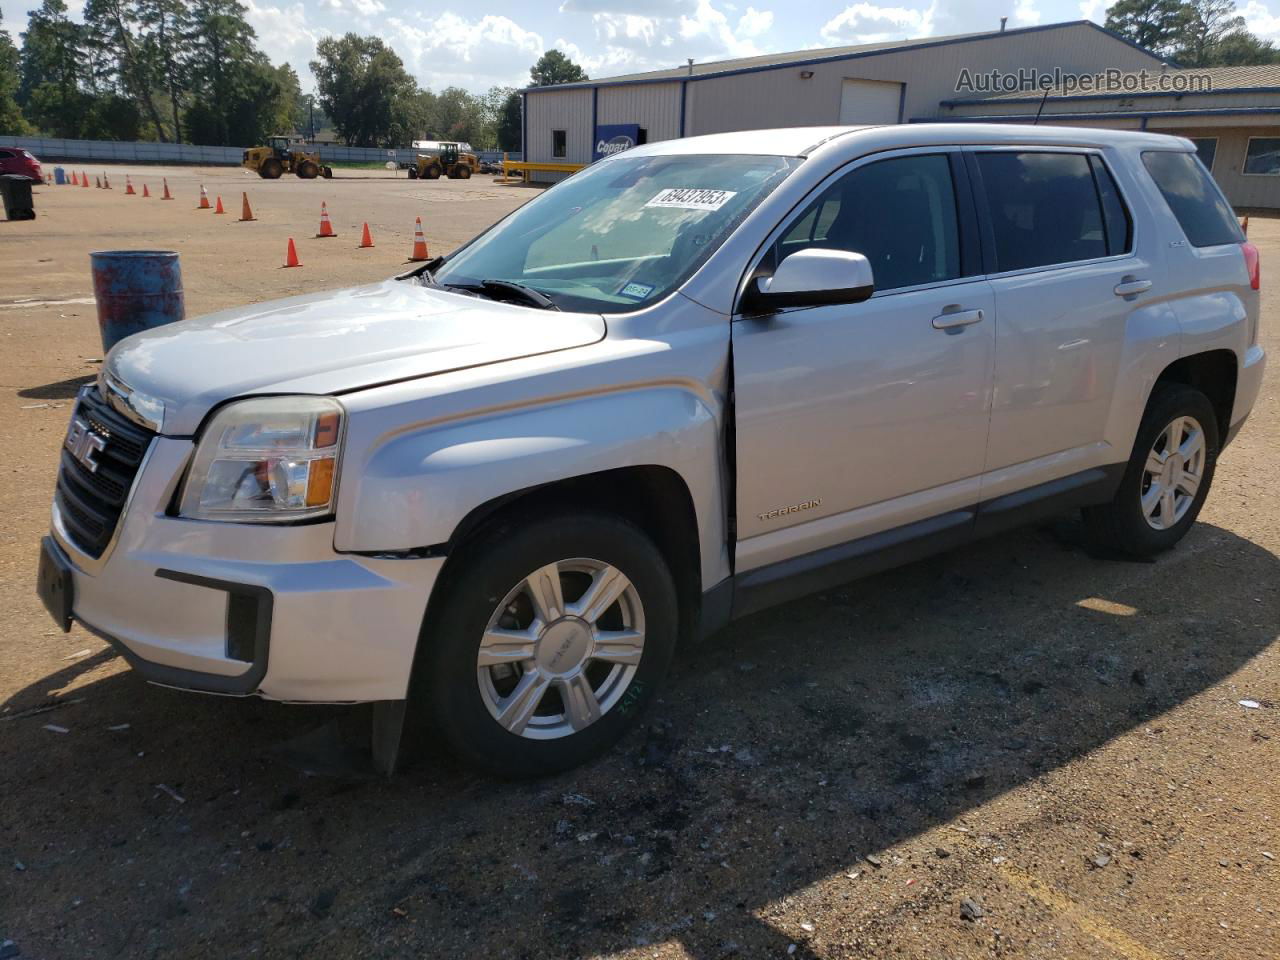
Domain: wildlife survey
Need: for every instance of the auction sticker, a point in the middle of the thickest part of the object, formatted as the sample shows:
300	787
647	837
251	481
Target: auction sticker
637	291
692	198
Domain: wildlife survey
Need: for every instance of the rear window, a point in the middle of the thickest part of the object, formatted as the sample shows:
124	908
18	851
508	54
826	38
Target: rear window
1044	209
1193	197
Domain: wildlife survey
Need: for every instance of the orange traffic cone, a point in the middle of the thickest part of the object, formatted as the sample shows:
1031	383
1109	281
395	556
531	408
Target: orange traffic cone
366	238
218	208
128	187
419	243
204	198
167	194
48	179
84	179
246	212
106	184
1245	226
74	181
146	191
326	228
291	255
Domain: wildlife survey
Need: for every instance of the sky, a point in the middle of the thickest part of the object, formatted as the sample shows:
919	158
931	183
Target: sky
479	45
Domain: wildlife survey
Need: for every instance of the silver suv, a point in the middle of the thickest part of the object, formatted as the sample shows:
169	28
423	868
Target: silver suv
696	379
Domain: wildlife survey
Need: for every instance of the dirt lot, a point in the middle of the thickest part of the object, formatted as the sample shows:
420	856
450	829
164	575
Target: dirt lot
1056	737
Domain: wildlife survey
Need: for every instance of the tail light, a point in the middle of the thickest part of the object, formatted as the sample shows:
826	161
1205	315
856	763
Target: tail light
1253	264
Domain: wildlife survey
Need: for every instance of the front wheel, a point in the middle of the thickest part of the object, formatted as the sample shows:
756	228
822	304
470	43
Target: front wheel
549	641
1167	478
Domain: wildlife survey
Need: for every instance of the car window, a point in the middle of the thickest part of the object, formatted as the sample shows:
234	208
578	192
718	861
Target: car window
5	155
624	232
899	213
1116	222
1193	197
1043	208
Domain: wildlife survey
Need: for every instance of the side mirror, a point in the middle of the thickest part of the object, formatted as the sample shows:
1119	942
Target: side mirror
813	277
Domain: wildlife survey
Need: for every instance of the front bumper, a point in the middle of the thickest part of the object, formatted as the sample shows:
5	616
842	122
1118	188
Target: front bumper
247	609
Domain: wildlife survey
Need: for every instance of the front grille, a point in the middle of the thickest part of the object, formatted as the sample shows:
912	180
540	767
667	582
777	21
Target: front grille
91	501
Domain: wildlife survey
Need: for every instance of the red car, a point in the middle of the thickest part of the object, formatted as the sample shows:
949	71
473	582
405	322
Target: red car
18	161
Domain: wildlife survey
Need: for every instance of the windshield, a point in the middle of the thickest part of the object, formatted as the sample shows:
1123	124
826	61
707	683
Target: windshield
620	234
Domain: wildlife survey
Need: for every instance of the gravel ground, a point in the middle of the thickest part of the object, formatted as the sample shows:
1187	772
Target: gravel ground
1010	750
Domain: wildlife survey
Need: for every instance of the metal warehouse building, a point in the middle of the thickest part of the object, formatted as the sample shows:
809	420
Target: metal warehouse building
871	83
1232	114
1237	125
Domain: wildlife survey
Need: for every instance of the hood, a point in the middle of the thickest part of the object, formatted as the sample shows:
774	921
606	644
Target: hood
332	342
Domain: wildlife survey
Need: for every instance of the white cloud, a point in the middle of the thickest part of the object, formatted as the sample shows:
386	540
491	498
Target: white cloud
1260	20
286	35
755	23
1094	10
1025	13
474	54
867	23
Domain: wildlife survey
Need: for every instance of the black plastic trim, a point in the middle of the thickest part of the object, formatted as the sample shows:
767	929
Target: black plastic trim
242	684
832	566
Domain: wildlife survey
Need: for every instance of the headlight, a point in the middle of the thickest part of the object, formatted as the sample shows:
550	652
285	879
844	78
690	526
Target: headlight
272	459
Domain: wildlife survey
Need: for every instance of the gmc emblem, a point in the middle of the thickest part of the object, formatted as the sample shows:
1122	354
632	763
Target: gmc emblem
84	444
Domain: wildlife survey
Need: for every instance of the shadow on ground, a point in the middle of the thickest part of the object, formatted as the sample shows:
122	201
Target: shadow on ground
782	750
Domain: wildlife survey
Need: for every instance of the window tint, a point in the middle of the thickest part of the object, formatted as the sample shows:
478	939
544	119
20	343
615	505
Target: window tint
1193	197
900	214
5	155
1115	216
558	144
1206	150
1263	156
1043	207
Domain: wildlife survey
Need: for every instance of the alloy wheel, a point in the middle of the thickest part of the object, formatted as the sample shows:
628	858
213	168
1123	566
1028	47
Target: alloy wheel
1173	472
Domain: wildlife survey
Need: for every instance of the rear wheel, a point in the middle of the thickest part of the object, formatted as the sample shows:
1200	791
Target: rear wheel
1167	478
271	169
308	170
432	172
464	172
549	641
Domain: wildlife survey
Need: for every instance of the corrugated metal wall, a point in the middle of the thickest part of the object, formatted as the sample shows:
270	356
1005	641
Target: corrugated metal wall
782	98
568	110
654	106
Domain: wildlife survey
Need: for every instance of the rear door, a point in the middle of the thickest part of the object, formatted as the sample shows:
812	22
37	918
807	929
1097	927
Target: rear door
1062	261
852	419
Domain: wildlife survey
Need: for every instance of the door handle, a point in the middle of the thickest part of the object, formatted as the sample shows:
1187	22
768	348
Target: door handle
959	318
1132	286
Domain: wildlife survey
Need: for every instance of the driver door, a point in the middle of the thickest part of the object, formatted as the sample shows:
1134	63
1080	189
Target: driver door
858	418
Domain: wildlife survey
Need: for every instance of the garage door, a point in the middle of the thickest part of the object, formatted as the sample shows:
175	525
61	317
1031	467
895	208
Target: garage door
870	101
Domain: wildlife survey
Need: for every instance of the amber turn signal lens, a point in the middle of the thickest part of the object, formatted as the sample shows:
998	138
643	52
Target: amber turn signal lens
327	429
319	483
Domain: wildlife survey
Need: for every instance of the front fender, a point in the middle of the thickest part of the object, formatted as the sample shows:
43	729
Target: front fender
416	486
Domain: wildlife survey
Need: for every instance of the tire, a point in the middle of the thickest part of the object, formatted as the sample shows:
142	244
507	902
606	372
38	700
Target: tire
327	172
1139	521
413	173
308	170
464	172
487	586
271	169
432	172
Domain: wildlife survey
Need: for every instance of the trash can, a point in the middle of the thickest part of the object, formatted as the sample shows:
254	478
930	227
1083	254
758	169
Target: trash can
59	176
136	290
16	194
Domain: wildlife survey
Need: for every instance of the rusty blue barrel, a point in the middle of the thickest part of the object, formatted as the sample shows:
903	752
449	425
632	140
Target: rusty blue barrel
136	290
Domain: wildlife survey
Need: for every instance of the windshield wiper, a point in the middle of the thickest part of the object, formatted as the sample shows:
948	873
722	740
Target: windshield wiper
503	291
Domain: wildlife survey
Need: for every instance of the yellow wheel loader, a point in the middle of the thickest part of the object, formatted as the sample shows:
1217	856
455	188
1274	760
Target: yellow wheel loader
449	160
276	158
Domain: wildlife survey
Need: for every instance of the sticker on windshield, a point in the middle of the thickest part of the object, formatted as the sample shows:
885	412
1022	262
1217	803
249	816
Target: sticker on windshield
692	198
637	291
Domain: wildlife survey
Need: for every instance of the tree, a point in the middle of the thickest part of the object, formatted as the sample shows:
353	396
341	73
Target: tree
112	30
360	81
1207	22
51	69
554	67
1157	25
1240	49
510	130
168	23
12	122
